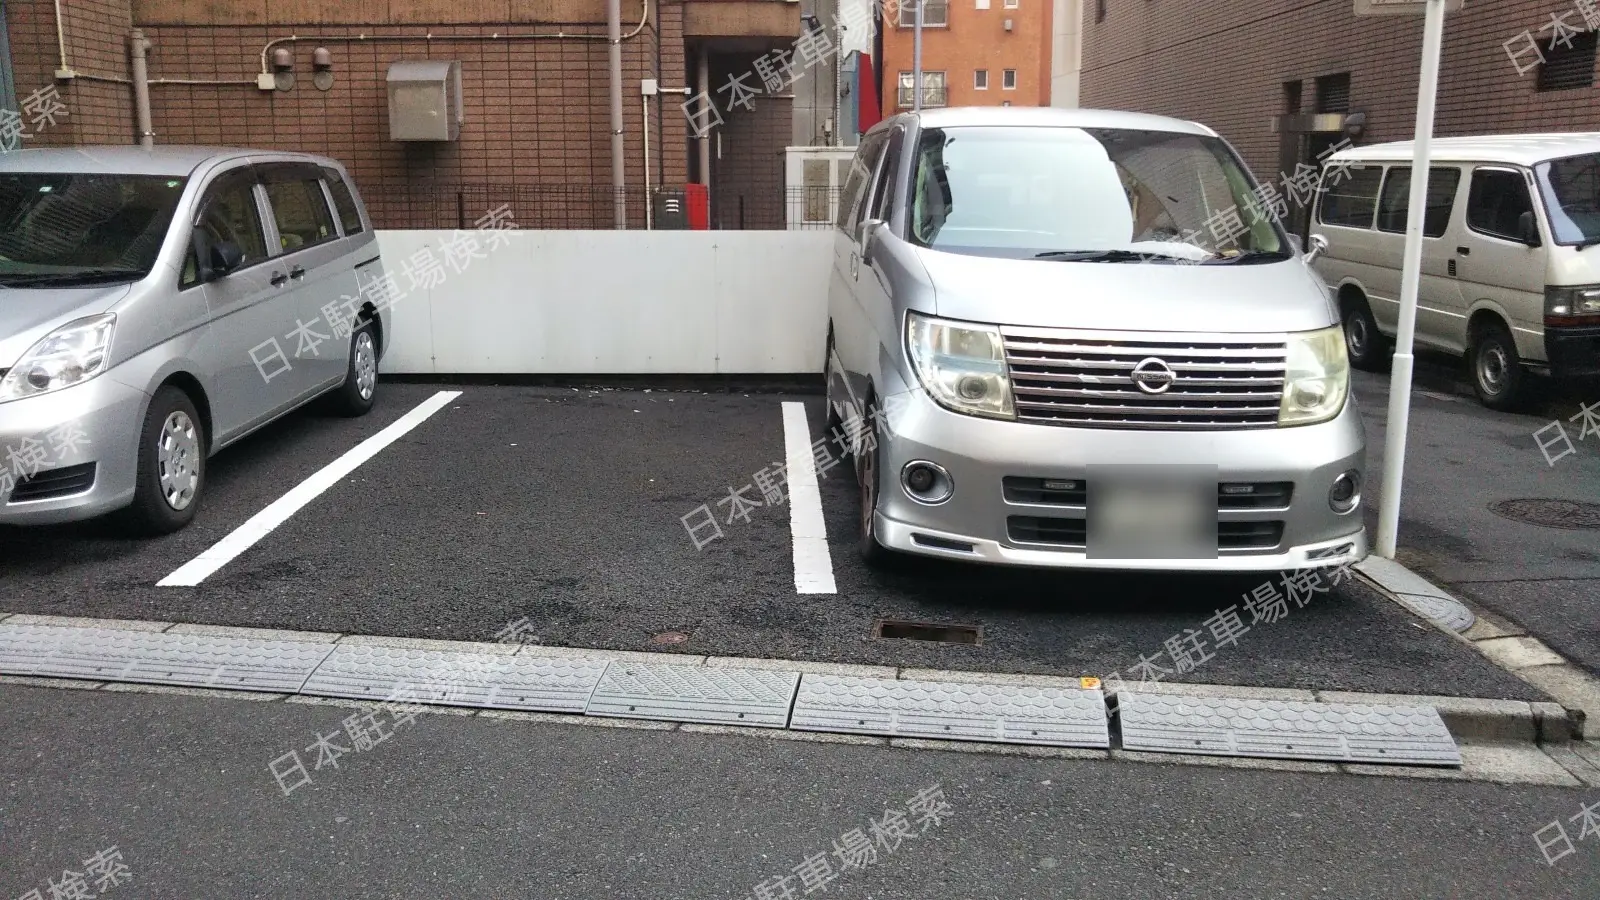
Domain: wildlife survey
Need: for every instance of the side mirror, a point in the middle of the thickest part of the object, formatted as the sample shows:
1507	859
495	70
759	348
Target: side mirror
869	238
225	257
1528	229
1319	246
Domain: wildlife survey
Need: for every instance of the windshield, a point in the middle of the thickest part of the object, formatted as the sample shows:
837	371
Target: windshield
61	229
1571	191
1099	194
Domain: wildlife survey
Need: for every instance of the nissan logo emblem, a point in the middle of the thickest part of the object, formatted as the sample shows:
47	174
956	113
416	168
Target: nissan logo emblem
1153	376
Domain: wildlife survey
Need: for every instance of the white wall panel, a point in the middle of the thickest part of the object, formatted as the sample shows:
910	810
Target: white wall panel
615	302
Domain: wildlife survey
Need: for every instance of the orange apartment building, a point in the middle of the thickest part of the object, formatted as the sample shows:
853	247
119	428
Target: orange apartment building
974	53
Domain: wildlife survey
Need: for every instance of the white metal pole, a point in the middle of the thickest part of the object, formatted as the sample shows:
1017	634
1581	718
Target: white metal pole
1394	444
916	60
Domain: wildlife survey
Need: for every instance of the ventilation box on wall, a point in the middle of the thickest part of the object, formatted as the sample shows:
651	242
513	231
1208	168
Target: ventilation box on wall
425	100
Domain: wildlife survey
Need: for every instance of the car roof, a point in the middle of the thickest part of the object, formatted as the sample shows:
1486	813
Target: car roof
176	161
1047	117
1515	149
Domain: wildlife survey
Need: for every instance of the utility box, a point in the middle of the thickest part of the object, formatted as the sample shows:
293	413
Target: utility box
671	211
425	100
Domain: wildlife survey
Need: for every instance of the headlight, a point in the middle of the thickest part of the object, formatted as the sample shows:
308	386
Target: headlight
961	365
1572	301
72	354
1318	377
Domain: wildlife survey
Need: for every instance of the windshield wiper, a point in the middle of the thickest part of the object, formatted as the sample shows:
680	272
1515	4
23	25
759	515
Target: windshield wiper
1249	256
1107	256
83	276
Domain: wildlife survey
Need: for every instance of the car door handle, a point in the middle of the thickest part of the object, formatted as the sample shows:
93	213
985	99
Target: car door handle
278	279
1464	251
297	272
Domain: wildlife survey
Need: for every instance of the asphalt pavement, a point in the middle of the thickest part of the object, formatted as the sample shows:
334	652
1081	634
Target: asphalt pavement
562	510
1462	459
459	806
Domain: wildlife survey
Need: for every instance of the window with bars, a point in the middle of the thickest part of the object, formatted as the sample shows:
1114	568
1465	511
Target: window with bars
933	89
935	13
1333	93
1569	63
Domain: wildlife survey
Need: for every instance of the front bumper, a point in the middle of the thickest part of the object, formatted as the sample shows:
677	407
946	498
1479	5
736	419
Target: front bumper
979	521
1573	351
95	424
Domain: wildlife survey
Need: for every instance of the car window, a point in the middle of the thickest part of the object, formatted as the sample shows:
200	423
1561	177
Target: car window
1496	202
883	190
860	178
1571	191
1395	203
228	214
301	212
1350	196
344	201
65	228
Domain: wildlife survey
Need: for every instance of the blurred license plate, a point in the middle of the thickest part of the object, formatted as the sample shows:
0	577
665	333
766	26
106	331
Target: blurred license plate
1152	512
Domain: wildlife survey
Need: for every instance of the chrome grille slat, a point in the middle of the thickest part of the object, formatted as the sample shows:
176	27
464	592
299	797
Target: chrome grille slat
1119	392
1084	379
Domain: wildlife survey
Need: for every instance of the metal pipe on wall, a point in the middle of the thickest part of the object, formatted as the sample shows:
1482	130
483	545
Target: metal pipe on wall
139	51
703	79
618	177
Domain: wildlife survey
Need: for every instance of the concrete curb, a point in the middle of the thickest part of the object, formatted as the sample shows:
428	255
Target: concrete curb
1576	692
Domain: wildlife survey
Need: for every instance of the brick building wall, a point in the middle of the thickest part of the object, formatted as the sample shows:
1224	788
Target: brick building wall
99	103
1225	63
976	39
537	115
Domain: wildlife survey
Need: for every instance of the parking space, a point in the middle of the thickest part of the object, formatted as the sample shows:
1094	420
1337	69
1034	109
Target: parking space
567	508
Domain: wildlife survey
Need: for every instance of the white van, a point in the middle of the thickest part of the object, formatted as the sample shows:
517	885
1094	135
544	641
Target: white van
1510	260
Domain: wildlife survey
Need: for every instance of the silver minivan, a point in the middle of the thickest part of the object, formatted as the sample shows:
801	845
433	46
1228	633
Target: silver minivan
157	305
1080	338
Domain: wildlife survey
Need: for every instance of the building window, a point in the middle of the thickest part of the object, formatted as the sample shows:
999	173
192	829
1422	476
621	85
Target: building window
1010	4
980	80
933	92
983	4
1291	97
1008	79
934	12
1333	93
1099	10
1569	63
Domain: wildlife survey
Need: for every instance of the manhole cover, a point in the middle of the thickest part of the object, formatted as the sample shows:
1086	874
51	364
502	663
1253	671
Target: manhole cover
1572	514
669	637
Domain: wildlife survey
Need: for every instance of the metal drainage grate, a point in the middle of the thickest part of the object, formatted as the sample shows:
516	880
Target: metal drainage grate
927	631
1569	514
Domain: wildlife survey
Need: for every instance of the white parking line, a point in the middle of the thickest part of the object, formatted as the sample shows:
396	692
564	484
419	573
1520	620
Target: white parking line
278	511
813	565
1437	396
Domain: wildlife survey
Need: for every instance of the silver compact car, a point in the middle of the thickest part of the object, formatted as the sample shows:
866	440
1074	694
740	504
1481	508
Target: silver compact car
157	305
1082	339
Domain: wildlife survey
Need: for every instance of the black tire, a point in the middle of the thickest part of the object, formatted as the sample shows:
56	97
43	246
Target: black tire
869	477
360	389
1498	377
171	476
1369	349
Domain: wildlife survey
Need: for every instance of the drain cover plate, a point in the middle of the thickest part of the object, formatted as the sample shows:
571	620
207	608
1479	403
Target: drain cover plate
1572	515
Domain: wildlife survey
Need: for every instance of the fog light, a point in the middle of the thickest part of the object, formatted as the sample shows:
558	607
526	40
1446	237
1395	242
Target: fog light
1345	494
972	388
926	482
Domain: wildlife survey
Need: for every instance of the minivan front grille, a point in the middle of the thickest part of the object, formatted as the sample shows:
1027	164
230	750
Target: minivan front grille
1085	379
